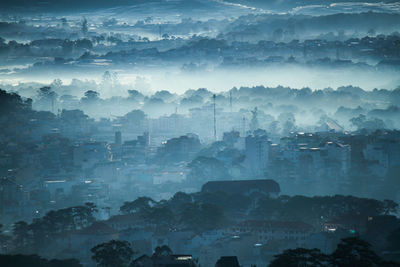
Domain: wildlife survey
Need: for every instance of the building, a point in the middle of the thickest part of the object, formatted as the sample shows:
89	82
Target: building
256	152
227	261
266	231
381	156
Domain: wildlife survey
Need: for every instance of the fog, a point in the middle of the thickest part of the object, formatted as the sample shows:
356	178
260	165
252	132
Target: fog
199	133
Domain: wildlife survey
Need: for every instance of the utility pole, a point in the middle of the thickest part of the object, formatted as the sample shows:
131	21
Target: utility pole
215	120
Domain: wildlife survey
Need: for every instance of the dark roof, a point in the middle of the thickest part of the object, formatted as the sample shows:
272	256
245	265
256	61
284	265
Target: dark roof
241	186
227	261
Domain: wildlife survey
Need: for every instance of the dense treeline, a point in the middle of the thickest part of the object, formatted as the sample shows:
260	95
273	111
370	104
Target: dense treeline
350	252
35	261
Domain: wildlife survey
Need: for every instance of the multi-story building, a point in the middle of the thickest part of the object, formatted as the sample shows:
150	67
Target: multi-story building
256	153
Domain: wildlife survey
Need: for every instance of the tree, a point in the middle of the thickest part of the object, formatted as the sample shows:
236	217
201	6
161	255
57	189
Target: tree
371	32
57	83
160	215
179	200
278	34
47	96
202	216
162	251
114	253
91	97
389	206
254	120
84	27
203	169
300	257
362	122
288	122
106	78
134	117
141	204
58	221
393	240
64	23
12	102
4	240
354	252
135	95
35	261
21	234
391	185
83	215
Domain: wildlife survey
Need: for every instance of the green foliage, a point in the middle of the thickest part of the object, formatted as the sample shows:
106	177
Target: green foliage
350	252
53	222
162	251
21	234
300	257
35	261
160	215
313	209
204	169
179	200
202	216
114	253
391	185
135	117
140	205
394	240
12	102
362	122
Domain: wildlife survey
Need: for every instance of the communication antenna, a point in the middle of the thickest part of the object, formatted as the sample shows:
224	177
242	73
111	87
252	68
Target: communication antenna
215	120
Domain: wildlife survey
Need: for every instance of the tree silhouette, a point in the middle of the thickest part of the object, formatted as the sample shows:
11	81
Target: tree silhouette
114	253
84	28
354	252
21	234
300	257
141	204
162	251
47	96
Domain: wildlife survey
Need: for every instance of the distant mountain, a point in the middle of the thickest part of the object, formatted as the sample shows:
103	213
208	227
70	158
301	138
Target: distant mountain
69	5
296	3
195	8
198	8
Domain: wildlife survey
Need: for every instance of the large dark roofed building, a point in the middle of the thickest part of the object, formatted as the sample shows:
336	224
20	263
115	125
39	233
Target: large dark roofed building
227	261
244	187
